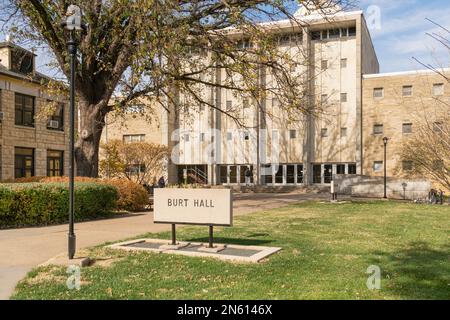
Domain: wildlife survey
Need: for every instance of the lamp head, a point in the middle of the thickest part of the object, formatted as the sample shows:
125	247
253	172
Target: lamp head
385	140
73	19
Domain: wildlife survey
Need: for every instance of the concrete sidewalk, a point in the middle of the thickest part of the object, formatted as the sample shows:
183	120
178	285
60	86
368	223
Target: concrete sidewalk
23	249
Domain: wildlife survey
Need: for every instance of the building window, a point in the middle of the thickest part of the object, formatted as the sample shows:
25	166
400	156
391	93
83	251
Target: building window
229	136
352	169
23	162
244	44
202	137
438	89
186	137
407	91
407	165
378	129
343	63
340	169
378	92
324	64
245	103
135	169
352	31
229	105
323	98
334	33
343	132
246	135
378	166
407	128
292	134
55	161
315	35
324	132
285	40
56	121
24	110
343	97
128	138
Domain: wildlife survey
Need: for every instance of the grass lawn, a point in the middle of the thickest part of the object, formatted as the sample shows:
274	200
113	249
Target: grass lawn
327	249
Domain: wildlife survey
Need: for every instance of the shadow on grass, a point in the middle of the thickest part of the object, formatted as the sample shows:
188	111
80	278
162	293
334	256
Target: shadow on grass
227	240
419	272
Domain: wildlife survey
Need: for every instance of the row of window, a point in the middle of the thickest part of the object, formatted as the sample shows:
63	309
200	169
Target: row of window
128	138
24	160
324	64
407	91
333	33
406	128
24	112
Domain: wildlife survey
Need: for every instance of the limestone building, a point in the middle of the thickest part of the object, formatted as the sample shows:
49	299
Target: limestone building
394	106
346	138
29	145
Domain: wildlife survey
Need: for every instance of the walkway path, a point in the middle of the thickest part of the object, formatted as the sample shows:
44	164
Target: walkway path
23	249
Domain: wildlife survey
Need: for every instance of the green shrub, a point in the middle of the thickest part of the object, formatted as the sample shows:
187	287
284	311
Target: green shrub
132	196
31	204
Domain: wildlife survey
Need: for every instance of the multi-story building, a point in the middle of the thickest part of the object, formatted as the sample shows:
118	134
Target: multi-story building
394	106
362	107
33	139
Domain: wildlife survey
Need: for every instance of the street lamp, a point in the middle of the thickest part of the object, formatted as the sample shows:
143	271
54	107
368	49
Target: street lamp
385	141
72	24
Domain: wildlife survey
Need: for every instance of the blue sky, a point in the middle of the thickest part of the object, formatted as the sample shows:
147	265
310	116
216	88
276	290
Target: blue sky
402	32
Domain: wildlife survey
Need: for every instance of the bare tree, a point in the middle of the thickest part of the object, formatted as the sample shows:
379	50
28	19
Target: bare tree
140	162
429	147
142	48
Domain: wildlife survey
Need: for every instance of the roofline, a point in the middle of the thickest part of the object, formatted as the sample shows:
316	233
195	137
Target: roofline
20	76
311	19
9	44
403	73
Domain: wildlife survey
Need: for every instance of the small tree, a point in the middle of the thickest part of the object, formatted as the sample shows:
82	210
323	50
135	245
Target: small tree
429	147
140	162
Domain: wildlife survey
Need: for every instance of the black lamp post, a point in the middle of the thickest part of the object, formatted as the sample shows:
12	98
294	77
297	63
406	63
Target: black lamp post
385	141
72	24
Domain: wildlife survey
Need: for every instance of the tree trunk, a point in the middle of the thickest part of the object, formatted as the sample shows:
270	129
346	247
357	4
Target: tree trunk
91	123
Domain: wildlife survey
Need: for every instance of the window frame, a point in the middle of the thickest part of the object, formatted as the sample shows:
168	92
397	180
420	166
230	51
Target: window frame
53	158
440	85
22	97
23	158
405	125
380	163
125	136
59	117
378	125
411	92
379	89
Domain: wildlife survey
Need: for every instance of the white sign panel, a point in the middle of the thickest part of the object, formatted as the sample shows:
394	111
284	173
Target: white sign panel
193	206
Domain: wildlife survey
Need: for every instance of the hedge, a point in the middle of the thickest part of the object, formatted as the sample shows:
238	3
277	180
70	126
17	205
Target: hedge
132	196
33	204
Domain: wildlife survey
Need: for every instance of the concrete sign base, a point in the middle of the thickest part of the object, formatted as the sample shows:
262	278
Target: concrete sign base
230	252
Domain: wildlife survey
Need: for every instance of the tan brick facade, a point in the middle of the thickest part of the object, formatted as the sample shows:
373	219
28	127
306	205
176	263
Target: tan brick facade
393	111
37	137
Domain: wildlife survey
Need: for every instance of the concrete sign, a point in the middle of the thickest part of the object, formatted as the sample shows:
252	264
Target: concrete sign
211	207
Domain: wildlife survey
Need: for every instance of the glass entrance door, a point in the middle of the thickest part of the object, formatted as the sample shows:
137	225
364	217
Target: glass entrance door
290	174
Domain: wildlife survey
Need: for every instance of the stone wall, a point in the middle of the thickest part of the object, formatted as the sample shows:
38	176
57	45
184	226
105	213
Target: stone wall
367	186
